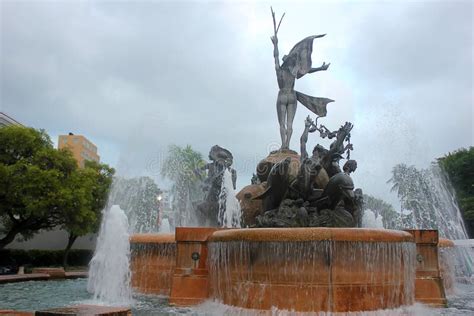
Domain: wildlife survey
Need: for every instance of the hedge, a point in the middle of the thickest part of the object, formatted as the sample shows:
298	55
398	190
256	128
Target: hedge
44	258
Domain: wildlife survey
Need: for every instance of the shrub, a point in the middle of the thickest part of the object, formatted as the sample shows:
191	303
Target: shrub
44	258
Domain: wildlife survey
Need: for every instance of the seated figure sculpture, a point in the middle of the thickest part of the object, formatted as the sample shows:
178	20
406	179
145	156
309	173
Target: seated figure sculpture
322	194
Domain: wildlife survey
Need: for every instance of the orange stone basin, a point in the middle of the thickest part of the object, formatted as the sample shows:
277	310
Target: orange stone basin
312	269
153	258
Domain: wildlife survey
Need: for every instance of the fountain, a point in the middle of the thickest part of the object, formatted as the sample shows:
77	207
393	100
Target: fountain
302	246
295	239
436	208
109	271
153	262
229	206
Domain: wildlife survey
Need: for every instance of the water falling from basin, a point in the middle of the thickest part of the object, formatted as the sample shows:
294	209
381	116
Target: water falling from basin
109	269
312	269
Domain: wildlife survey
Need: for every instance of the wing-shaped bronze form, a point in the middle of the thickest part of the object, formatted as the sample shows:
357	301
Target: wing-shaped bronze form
298	61
314	104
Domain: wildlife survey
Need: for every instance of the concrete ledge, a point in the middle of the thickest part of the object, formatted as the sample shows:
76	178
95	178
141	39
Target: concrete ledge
311	234
197	234
54	273
152	238
11	278
83	310
445	243
76	275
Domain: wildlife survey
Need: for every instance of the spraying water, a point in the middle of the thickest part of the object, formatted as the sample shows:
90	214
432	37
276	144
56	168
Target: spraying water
138	198
109	269
229	206
165	226
371	220
429	198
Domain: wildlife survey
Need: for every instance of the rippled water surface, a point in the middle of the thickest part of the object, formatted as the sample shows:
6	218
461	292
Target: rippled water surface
37	295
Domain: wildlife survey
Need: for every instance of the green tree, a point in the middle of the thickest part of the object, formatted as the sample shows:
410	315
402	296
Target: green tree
92	185
138	197
414	189
36	183
183	167
459	166
390	218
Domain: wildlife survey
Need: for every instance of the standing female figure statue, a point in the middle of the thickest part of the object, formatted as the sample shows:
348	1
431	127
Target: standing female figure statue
295	65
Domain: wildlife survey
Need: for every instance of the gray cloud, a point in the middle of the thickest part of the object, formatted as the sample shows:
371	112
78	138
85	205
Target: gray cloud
135	77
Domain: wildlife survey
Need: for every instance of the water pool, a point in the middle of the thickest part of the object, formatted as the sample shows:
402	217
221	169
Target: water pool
37	295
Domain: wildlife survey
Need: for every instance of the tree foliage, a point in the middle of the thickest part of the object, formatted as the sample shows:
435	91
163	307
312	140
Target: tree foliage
92	184
183	167
459	166
390	218
138	198
42	188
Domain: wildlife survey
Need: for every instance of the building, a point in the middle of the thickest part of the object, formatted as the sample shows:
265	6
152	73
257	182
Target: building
6	120
82	149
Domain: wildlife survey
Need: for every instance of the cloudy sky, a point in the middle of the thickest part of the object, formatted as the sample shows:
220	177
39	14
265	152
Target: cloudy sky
137	76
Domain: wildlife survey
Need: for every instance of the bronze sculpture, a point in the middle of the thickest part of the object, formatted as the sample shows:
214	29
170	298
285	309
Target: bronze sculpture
221	160
295	65
291	190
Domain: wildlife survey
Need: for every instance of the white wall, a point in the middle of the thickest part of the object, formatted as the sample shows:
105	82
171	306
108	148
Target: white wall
53	240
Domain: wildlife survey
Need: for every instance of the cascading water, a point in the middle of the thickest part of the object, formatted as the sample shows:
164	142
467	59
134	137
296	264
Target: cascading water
313	274
109	269
444	204
430	197
229	206
153	262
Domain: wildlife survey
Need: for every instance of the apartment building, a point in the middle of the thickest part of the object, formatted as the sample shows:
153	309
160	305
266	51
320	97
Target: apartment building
82	149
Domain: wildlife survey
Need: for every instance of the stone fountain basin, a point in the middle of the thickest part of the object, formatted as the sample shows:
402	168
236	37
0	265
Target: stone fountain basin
312	269
153	259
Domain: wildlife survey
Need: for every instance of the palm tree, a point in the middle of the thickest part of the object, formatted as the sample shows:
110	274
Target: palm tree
183	167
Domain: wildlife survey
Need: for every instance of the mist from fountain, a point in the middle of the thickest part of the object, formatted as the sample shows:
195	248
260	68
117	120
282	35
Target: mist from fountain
372	220
229	206
109	269
437	208
446	209
137	197
165	227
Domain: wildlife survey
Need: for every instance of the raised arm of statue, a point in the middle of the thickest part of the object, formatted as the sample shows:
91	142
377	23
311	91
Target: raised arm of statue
324	66
275	52
274	39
